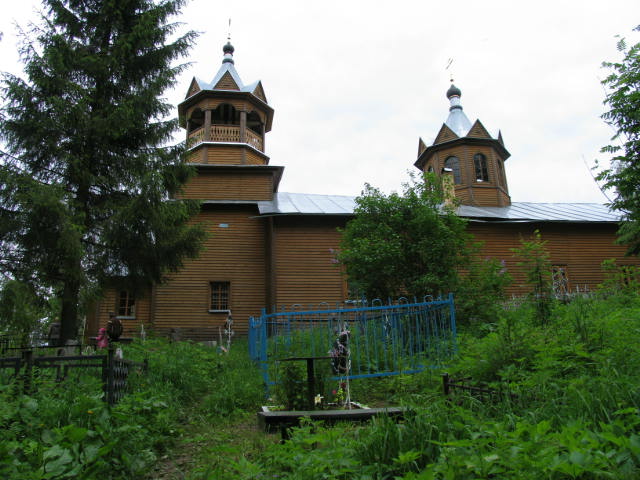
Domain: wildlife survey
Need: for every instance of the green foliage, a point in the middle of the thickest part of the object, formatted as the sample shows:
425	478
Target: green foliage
620	278
291	387
67	431
87	176
22	311
569	408
403	244
481	291
623	176
537	268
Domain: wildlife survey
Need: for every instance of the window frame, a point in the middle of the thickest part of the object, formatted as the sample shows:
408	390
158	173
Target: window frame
453	163
481	169
126	309
221	288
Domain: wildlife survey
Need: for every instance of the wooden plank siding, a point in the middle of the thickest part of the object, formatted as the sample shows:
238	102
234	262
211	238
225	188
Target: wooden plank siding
230	186
224	156
304	263
238	154
108	304
469	192
234	252
580	247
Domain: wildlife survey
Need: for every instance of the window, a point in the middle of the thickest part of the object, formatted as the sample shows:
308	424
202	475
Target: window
454	164
126	304
480	163
560	279
219	296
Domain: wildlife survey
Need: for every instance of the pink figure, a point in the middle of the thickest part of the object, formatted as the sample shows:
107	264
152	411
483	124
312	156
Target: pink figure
103	340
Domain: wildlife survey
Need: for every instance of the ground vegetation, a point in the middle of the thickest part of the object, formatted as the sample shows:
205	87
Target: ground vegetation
566	407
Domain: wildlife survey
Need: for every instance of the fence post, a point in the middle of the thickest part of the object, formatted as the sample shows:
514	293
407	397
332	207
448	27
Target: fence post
28	371
110	394
452	310
445	384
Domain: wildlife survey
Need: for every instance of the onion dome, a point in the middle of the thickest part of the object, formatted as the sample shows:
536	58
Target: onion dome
453	92
457	120
228	53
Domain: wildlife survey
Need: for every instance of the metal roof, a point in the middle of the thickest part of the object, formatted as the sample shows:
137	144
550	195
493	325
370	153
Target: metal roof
307	204
544	212
313	204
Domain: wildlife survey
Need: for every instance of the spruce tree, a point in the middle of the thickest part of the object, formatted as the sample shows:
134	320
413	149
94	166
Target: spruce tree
88	179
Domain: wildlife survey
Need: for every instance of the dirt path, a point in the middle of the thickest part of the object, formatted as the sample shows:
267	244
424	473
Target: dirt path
206	448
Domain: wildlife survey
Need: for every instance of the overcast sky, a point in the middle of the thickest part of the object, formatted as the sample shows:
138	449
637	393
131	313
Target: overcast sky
354	84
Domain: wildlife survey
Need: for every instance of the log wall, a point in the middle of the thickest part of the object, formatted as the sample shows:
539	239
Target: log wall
580	247
230	186
234	252
305	268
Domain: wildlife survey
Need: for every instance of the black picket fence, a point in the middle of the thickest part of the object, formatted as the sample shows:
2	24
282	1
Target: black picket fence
114	371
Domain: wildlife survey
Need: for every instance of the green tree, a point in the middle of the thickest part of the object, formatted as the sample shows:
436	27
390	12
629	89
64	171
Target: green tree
623	176
87	179
22	312
408	244
537	269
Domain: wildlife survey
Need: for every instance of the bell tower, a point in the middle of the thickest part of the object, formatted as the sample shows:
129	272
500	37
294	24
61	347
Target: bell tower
226	121
471	155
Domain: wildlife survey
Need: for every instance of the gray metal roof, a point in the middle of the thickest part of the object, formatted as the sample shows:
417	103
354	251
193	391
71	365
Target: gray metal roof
545	212
224	68
457	120
307	204
313	204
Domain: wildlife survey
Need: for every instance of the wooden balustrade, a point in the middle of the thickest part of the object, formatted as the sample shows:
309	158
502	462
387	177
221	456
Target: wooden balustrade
254	140
226	133
195	137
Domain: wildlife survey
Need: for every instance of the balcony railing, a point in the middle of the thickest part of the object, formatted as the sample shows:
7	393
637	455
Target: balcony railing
226	133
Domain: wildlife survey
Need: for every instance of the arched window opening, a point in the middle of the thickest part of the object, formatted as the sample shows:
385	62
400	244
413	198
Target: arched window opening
196	120
480	163
454	164
254	123
430	169
225	114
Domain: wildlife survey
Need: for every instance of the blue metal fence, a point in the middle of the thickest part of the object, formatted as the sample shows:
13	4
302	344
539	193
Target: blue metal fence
384	339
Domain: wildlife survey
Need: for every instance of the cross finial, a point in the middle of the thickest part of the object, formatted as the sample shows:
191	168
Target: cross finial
448	67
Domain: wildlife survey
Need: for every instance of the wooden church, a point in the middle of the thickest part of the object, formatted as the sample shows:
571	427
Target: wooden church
268	249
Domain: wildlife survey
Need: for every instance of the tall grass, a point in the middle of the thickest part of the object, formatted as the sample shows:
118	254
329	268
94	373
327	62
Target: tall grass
65	430
573	412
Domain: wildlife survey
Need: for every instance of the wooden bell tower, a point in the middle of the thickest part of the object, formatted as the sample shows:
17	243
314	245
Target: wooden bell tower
226	123
471	155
